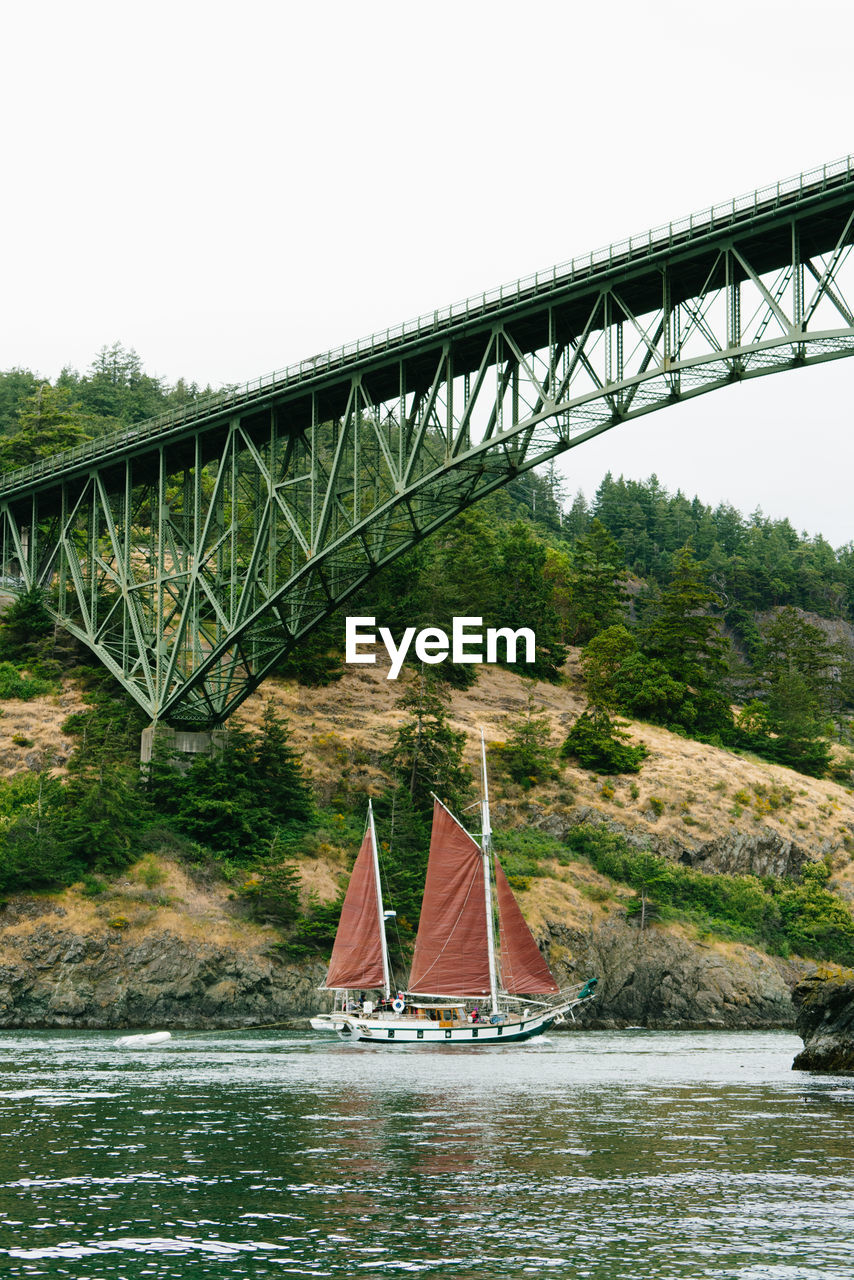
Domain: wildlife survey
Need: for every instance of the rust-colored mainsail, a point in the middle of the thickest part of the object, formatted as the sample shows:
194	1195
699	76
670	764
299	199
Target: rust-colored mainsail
523	969
451	947
357	956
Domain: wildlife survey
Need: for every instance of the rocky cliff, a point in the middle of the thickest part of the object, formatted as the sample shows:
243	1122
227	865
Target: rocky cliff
63	968
825	1021
662	978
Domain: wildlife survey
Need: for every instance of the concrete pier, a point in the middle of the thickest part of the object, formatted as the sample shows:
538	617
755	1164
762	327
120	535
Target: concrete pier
180	747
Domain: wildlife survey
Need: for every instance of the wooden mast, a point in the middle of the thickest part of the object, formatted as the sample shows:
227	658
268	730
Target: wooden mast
486	848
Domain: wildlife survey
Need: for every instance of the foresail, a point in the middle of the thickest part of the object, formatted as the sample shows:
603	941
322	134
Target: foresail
523	969
357	958
451	948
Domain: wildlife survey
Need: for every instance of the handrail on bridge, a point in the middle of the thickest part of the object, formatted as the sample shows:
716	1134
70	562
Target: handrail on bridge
762	200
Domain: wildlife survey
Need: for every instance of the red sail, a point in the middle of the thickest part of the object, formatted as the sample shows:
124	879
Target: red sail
451	951
523	969
357	957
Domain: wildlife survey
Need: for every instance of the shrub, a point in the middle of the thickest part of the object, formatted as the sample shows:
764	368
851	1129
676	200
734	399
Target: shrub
15	684
802	916
527	756
599	744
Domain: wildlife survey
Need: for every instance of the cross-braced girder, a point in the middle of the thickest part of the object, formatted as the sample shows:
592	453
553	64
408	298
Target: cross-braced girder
191	555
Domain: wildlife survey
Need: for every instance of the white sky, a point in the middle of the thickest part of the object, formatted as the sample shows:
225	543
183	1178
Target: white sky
228	188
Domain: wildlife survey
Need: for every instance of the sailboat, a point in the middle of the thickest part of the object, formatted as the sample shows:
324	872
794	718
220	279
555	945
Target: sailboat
465	987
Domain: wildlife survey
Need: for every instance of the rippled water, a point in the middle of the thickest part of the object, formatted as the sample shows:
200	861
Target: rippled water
594	1154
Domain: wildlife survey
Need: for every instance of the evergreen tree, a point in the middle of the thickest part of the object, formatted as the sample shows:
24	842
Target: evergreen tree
527	755
681	633
791	644
237	801
527	599
278	772
16	387
599	597
49	421
427	754
577	520
598	739
25	623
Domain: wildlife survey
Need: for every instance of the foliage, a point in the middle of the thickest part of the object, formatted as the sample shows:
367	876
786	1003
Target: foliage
802	916
599	599
601	662
679	631
316	660
239	800
526	600
598	742
527	755
25	622
30	854
672	672
273	890
427	754
313	932
116	390
48	421
15	684
16	387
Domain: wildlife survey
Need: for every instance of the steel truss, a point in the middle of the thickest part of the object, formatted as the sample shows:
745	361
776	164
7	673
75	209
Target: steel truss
191	554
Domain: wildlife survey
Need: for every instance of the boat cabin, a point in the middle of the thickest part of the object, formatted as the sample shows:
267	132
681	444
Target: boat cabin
447	1015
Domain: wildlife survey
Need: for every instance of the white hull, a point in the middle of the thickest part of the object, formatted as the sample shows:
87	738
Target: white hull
146	1038
401	1029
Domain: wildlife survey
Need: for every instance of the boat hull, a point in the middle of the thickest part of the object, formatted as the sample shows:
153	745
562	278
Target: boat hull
403	1030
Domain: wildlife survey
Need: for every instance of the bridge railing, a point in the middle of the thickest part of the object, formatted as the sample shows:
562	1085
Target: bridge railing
729	213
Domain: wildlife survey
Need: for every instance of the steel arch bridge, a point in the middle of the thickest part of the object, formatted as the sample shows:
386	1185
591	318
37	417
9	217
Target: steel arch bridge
191	552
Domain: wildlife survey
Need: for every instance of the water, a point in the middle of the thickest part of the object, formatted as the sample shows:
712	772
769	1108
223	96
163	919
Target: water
596	1154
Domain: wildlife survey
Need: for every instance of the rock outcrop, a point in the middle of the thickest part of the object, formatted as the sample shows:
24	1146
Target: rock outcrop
63	978
825	1021
659	979
764	853
54	973
738	853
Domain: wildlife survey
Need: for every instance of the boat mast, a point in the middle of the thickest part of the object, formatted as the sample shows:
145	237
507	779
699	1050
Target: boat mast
486	848
383	942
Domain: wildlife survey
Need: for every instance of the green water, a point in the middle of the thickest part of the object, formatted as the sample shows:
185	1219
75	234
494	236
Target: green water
594	1154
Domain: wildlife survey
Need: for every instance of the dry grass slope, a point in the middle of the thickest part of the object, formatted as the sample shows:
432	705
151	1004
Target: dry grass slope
686	794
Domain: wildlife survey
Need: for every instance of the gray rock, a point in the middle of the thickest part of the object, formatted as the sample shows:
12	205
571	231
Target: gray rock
762	853
651	978
825	1021
67	979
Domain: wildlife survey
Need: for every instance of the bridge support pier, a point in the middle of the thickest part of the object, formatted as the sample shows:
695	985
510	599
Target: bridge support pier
179	747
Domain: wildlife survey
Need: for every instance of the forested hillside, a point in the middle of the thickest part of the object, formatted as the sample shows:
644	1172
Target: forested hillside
650	609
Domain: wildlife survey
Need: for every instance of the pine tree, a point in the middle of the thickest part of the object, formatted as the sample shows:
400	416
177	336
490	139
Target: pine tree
527	599
278	772
681	632
598	595
24	624
527	754
427	754
48	421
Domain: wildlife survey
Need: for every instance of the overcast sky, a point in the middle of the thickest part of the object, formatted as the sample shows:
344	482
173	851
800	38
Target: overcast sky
227	188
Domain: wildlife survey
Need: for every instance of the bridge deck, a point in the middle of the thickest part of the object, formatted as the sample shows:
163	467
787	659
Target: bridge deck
761	220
